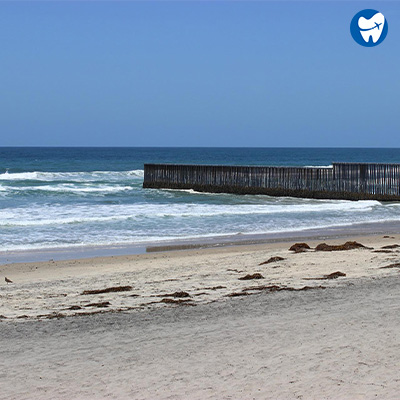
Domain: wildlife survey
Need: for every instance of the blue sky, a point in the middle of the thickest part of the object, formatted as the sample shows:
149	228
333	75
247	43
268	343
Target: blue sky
196	74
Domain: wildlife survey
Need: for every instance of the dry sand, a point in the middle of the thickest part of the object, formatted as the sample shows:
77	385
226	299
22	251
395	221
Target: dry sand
335	342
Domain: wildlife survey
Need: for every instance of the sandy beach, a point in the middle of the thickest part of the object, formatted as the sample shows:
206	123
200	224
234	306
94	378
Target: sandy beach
254	321
199	200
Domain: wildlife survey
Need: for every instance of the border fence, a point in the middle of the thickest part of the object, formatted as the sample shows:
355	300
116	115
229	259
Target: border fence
350	181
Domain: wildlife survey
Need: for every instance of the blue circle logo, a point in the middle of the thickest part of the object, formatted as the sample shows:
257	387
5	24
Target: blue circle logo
369	28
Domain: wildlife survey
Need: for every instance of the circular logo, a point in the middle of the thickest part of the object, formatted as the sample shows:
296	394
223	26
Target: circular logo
369	28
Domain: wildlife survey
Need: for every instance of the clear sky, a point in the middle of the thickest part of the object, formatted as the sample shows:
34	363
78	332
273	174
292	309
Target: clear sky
196	74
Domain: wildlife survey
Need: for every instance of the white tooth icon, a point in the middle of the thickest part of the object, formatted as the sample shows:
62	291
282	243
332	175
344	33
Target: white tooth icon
372	27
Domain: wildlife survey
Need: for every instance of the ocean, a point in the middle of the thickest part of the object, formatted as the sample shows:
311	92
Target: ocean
69	198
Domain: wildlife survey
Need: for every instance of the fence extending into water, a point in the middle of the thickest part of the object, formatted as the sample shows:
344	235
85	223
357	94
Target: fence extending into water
351	181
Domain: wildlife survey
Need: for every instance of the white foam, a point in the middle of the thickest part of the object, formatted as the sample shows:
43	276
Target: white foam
72	176
318	166
67	214
72	189
19	176
191	191
132	239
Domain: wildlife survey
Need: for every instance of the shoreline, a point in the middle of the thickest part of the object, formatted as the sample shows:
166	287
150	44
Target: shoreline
218	241
57	289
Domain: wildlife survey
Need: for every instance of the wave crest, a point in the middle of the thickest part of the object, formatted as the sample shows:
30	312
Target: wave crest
88	176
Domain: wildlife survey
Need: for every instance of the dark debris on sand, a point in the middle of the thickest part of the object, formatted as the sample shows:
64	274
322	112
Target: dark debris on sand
333	275
272	289
251	276
340	247
74	308
215	288
99	305
396	265
54	315
187	302
108	290
300	247
237	294
271	260
275	288
390	246
175	294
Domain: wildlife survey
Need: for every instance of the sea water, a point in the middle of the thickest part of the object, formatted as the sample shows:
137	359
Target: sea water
74	197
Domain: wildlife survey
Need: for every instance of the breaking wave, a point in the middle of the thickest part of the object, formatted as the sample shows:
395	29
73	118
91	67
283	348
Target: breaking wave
72	176
80	214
